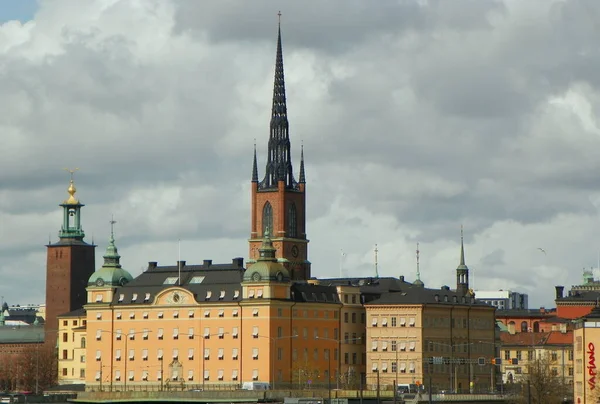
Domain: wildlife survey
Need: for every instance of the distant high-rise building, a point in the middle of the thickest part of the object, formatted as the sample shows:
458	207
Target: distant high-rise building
503	299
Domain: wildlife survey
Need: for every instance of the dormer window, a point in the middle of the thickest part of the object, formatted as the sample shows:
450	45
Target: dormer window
251	293
222	295
147	298
236	294
134	297
259	293
121	297
208	294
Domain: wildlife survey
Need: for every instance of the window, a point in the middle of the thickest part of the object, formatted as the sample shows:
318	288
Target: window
507	355
191	314
119	335
145	315
206	313
118	355
221	313
144	354
98	335
221	333
220	354
98	355
236	294
394	347
255	313
191	333
234	354
175	353
175	333
65	354
292	222
160	333
234	332
132	334
354	317
175	314
255	353
234	374
134	297
267	218
235	313
65	337
83	343
222	295
346	316
206	332
554	356
191	353
255	331
131	354
132	315
145	334
393	325
206	353
147	298
255	374
159	354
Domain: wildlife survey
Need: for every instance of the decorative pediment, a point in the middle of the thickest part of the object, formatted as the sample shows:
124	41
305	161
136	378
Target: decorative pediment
174	297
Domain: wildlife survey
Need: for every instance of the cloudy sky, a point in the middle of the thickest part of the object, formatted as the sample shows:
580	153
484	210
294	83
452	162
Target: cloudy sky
416	117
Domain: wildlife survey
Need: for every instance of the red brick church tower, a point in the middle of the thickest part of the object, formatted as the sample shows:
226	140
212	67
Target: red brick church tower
279	201
70	263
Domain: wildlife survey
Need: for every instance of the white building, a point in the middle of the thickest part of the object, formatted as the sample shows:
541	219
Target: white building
503	299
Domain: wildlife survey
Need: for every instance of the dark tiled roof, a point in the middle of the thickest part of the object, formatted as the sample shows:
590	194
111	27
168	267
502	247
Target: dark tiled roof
24	334
525	313
580	296
74	313
306	292
418	295
198	279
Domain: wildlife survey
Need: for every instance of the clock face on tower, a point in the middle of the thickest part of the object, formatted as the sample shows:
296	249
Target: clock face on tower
295	251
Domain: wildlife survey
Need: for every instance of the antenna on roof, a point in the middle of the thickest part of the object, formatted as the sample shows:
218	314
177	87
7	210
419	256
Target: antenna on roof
342	256
418	269
179	262
376	269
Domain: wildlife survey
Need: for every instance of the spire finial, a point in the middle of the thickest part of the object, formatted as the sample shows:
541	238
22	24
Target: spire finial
254	165
376	263
71	190
112	228
462	246
418	269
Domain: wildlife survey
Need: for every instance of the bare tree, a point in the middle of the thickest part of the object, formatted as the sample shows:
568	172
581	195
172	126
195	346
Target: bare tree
541	385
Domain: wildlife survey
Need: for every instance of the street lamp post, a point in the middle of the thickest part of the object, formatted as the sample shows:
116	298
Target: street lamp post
202	338
127	336
274	342
339	367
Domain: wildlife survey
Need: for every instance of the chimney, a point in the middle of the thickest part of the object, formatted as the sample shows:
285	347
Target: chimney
180	264
238	262
152	265
207	263
559	291
401	278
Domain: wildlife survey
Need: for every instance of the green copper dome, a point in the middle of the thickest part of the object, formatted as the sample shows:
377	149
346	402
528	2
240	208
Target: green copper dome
267	268
111	273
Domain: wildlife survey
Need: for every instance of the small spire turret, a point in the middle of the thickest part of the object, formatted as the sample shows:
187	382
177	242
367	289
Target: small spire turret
418	282
302	179
254	166
462	271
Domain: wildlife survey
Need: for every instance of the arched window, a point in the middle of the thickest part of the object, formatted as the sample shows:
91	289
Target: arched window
267	219
523	326
511	327
82	342
536	327
292	221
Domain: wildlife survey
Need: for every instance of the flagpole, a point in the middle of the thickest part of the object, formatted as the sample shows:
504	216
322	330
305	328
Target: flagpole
179	262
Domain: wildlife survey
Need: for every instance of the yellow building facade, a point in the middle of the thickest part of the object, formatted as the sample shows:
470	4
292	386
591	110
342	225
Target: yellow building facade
426	336
71	347
586	346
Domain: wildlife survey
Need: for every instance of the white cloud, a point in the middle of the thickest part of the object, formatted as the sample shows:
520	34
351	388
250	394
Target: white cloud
416	118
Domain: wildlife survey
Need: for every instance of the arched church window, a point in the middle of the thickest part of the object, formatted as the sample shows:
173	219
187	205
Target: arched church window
82	342
523	326
267	219
292	221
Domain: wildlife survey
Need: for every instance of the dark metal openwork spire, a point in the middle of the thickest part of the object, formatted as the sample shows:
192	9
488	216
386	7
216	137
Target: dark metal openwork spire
279	161
254	166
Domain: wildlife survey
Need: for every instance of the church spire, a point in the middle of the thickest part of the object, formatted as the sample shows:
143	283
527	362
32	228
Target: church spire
279	161
254	166
462	271
302	179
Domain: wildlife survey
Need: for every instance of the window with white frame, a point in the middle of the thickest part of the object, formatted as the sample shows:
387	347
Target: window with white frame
145	315
236	294
206	313
222	295
119	315
207	375
403	367
206	353
119	334
118	355
175	353
374	346
190	374
374	322
175	333
144	354
255	374
220	354
191	353
144	375
221	313
145	334
160	314
403	346
117	375
98	355
220	374
97	375
411	367
402	321
255	331
221	333
255	313
159	354
234	354
132	315
176	314
191	333
411	322
206	332
384	322
384	345
98	316
159	375
147	298
134	297
121	297
234	374
208	294
412	345
235	313
191	314
131	354
374	367
98	335
160	333
131	334
234	332
259	293
255	353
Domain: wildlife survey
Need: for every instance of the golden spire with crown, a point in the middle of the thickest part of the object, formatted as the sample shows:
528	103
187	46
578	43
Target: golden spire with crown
71	190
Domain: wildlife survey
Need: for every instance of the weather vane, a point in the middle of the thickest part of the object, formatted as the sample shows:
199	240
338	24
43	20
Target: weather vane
71	171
